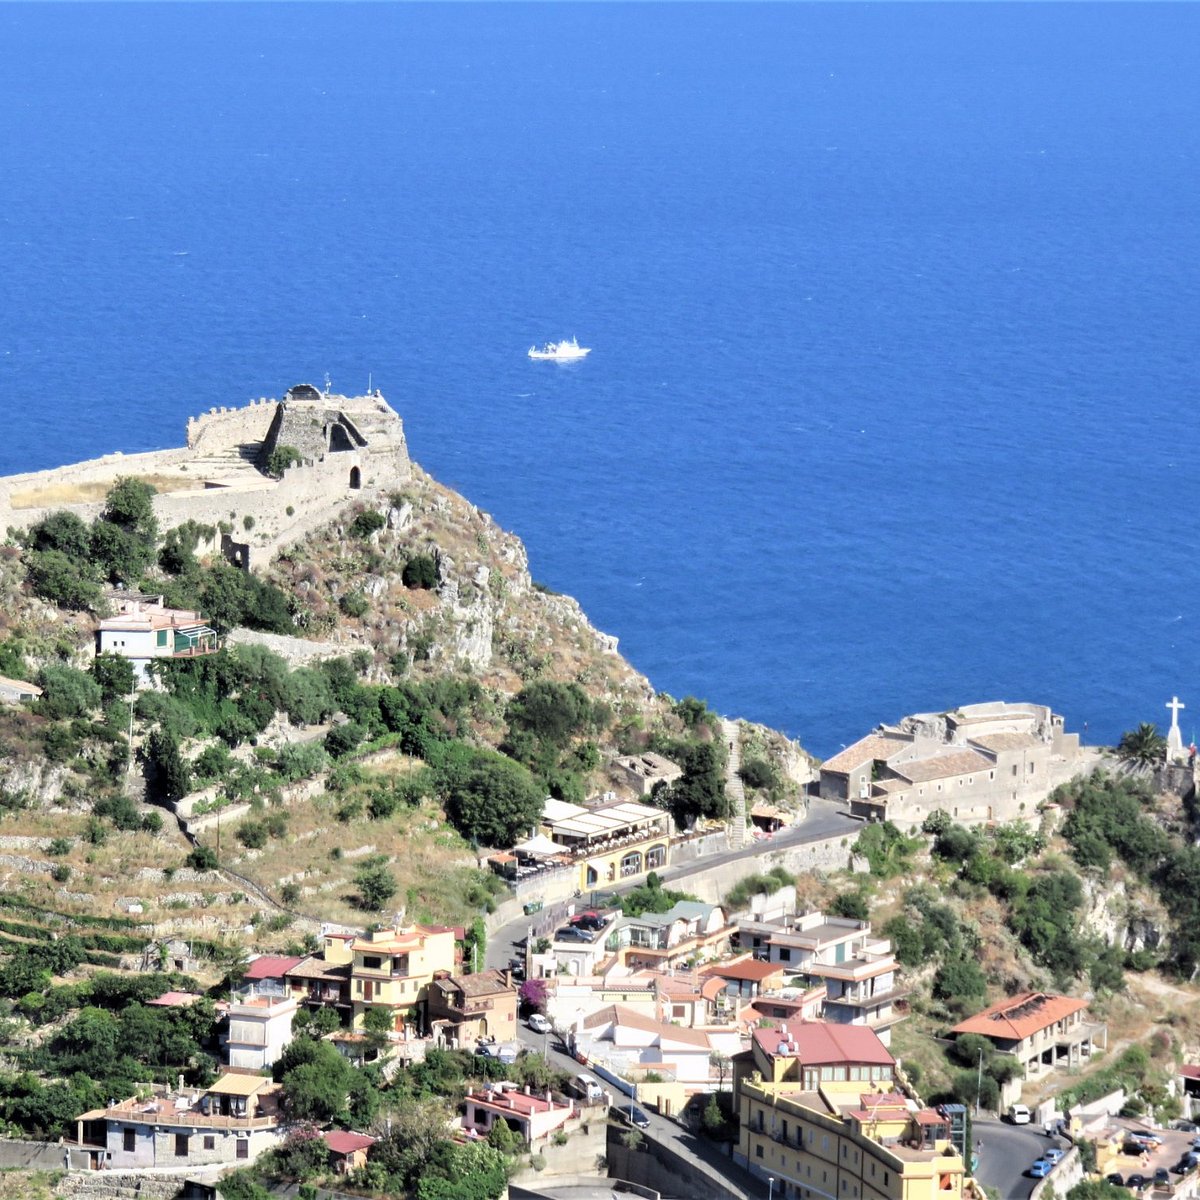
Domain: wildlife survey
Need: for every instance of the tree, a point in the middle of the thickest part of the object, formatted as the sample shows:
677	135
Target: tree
63	531
1143	746
170	773
63	580
114	674
130	504
67	693
495	801
960	983
533	995
475	946
376	886
719	1063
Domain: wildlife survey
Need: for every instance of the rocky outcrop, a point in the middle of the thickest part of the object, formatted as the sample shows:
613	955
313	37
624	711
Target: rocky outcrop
1123	914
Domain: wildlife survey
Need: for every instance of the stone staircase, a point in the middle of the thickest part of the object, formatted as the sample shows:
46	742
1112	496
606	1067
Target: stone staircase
734	788
228	461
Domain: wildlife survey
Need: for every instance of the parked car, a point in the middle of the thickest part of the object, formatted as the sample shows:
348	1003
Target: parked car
1053	1154
1187	1163
1144	1136
635	1116
1041	1168
532	906
538	1023
1018	1114
1186	1126
1162	1176
497	1050
1136	1149
571	933
1116	1179
1136	1181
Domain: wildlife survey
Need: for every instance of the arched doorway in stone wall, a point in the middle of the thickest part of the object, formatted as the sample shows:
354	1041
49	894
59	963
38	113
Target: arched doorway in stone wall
355	478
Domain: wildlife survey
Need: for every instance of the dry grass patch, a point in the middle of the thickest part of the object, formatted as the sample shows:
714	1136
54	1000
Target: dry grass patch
95	490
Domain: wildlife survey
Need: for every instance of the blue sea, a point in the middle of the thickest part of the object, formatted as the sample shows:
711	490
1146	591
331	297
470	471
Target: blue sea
893	307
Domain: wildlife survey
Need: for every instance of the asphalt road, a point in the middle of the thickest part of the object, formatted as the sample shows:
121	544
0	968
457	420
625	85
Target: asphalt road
1007	1152
661	1129
825	819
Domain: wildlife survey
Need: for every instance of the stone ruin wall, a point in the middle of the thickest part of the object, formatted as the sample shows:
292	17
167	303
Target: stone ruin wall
315	491
224	428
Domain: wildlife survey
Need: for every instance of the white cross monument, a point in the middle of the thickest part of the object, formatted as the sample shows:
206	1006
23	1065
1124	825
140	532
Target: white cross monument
1174	737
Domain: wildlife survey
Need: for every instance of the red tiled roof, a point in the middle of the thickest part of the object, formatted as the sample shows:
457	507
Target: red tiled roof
341	1142
1019	1016
821	1043
868	749
1190	1071
175	999
747	968
271	966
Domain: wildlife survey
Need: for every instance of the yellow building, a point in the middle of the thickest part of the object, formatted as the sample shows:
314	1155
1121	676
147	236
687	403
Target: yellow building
392	968
610	842
820	1115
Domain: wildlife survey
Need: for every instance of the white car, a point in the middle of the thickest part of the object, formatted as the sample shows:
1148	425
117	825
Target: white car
538	1023
1018	1114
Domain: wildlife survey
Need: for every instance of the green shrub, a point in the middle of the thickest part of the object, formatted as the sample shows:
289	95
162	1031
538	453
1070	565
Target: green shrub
61	873
280	459
367	523
202	858
420	572
252	834
354	604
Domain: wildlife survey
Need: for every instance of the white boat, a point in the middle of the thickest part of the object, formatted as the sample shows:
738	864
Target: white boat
560	351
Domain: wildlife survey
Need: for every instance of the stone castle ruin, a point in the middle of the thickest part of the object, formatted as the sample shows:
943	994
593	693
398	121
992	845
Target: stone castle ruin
344	448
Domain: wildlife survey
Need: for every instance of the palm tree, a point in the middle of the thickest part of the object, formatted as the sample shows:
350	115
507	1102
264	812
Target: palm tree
1143	746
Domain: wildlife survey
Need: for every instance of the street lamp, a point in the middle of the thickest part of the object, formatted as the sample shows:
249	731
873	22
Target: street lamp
770	1187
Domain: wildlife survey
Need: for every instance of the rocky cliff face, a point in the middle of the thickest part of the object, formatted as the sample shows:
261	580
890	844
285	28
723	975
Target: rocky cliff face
484	614
1123	913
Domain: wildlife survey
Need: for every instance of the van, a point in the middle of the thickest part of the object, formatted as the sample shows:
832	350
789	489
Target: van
1018	1114
588	1086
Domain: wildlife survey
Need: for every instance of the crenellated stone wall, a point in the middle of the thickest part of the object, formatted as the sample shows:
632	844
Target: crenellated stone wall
353	450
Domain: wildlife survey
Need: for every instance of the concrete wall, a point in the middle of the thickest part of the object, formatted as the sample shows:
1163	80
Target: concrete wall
48	1156
711	886
656	1165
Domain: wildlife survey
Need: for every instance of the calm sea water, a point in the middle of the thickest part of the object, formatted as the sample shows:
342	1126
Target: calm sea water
894	309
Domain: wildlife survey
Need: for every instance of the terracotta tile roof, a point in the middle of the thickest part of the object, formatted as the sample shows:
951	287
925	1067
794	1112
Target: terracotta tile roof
341	1142
1019	1016
175	999
865	750
1190	1071
819	1043
271	966
747	968
315	967
943	766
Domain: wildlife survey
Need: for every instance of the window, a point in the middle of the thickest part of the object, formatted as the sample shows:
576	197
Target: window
372	962
785	955
991	774
1015	768
181	1145
824	1141
210	1142
162	637
758	1151
243	1147
129	1141
1031	766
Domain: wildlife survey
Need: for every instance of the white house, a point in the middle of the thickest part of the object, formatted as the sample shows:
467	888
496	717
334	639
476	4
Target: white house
17	691
143	629
260	1026
632	1044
